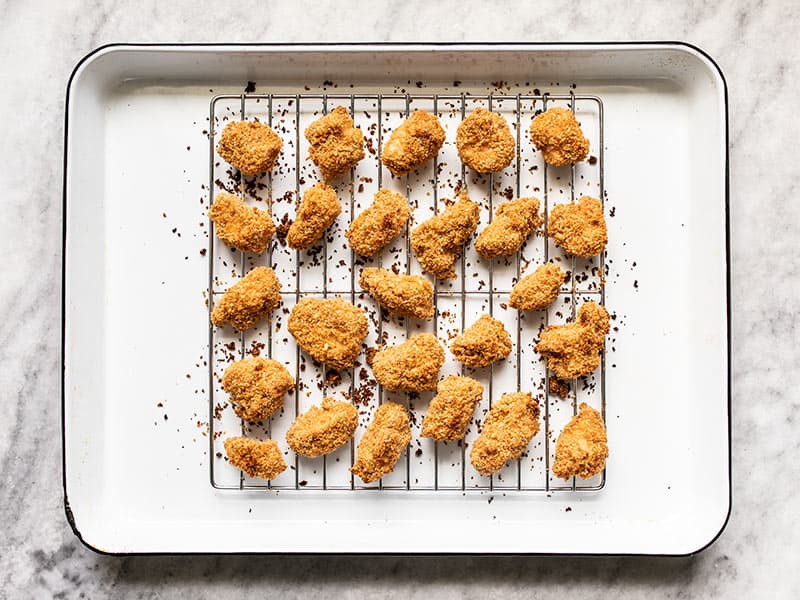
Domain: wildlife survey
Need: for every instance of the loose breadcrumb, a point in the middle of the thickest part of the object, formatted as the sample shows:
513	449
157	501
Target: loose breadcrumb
557	134
573	350
537	290
415	142
379	224
405	295
511	424
383	442
413	366
579	228
249	300
322	429
582	446
335	144
249	146
484	141
241	227
263	460
513	223
559	387
482	344
451	409
317	211
256	387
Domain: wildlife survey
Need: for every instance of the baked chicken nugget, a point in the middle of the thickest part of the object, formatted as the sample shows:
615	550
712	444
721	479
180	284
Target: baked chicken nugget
383	442
249	300
579	228
405	295
582	446
557	134
573	350
256	387
240	226
451	408
484	141
437	242
512	422
512	224
483	343
263	460
329	329
537	290
413	366
317	211
322	429
249	146
335	144
379	224
415	142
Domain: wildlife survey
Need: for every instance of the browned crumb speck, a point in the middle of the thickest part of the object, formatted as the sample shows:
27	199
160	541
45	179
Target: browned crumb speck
579	228
263	460
379	224
413	366
317	211
323	429
559	387
451	409
249	300
483	343
573	350
582	446
405	295
557	134
335	144
512	224
256	387
383	442
512	422
240	226
251	147
415	142
537	290
484	141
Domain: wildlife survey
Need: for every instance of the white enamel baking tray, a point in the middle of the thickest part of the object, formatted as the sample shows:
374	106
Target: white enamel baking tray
135	353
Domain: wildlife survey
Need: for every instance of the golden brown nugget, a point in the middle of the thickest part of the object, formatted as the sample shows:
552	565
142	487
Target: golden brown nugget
437	242
484	141
335	144
256	387
557	134
317	211
537	290
573	350
241	227
263	460
414	143
329	329
579	228
383	442
249	146
404	295
373	229
322	429
482	344
413	366
582	446
513	223
451	408
249	300
512	422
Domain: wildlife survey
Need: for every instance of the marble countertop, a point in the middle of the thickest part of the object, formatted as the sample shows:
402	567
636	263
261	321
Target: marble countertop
39	555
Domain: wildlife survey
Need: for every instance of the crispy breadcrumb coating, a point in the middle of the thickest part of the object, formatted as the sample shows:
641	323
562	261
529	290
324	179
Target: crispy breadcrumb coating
451	408
322	429
582	446
483	343
335	145
513	223
557	134
484	141
537	290
437	242
574	349
379	224
256	387
415	142
383	442
579	228
249	146
240	226
316	213
263	460
404	295
511	424
329	329
413	366
249	300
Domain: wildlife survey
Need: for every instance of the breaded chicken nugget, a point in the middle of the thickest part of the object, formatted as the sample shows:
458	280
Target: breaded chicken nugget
415	142
484	141
378	225
316	213
557	134
483	343
437	242
413	366
451	408
405	295
240	226
582	446
512	422
256	387
513	223
330	330
322	429
335	145
537	290
580	228
383	442
249	300
258	459
572	350
249	146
